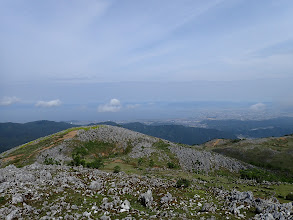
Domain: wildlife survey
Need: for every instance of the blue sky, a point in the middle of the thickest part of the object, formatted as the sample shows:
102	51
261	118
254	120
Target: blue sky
54	54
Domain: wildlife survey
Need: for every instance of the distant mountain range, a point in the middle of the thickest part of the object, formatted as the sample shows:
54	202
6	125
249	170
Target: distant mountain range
275	127
179	133
14	134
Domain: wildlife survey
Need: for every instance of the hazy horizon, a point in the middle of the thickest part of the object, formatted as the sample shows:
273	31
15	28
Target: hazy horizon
128	60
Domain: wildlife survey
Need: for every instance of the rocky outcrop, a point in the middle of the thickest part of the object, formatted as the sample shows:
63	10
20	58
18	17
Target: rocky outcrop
193	159
111	134
55	191
146	199
142	146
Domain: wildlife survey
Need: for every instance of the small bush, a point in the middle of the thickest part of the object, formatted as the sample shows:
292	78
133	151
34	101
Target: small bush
2	200
140	161
97	163
80	151
171	165
117	169
182	182
77	161
261	175
128	148
235	140
152	163
51	161
290	196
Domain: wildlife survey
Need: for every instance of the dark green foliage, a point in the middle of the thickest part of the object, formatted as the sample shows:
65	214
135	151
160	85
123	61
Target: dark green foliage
140	161
128	148
99	147
77	160
180	133
2	200
290	196
85	152
274	154
171	165
182	182
97	163
151	163
14	134
80	151
51	161
261	175
117	169
161	145
235	140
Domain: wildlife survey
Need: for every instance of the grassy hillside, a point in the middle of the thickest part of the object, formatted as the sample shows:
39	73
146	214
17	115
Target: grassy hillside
275	154
14	134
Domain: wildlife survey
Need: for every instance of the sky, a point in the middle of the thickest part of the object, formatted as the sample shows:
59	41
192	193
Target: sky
113	59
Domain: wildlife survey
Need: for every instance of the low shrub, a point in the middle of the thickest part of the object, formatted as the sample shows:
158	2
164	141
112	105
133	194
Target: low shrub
171	165
76	160
235	140
97	163
152	163
2	200
51	161
182	182
140	161
290	196
117	169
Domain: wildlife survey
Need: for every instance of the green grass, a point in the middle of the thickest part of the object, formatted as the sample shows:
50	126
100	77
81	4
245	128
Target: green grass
85	128
127	168
161	145
274	154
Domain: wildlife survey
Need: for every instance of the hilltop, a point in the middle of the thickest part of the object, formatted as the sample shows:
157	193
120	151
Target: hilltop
110	141
14	134
108	172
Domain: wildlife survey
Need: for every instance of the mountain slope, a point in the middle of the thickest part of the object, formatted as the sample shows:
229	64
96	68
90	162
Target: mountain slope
138	177
275	153
14	134
114	142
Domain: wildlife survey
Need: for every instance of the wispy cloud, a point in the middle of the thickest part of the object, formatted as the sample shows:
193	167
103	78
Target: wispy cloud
48	104
258	107
113	106
9	100
132	106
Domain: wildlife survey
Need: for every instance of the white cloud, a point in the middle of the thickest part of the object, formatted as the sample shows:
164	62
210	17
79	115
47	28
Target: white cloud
113	106
9	100
258	107
48	104
132	106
